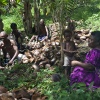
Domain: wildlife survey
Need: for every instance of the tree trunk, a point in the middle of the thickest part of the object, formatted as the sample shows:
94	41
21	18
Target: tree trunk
61	28
61	43
36	15
27	17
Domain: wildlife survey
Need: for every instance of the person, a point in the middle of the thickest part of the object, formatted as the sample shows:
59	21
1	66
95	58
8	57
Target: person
8	47
1	25
17	34
69	50
43	32
89	70
1	45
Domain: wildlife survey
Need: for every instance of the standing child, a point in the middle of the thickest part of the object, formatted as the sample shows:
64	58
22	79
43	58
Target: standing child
69	50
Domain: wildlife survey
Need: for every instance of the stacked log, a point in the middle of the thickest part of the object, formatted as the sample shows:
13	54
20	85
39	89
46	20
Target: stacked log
21	94
47	53
82	36
43	53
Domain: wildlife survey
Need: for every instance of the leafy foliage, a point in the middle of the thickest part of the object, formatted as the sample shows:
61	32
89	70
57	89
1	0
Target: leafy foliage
22	75
3	2
14	16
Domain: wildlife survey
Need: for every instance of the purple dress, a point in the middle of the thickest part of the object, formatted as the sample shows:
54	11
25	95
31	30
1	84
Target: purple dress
79	74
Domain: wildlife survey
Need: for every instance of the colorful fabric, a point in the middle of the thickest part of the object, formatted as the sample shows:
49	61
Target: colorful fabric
79	74
40	38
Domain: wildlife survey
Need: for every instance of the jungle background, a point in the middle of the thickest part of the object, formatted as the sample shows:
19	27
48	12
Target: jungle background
24	80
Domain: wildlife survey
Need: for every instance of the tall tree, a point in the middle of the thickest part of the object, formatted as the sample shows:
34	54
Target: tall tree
27	16
62	10
36	5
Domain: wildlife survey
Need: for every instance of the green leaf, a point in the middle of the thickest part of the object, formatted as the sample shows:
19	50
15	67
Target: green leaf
3	2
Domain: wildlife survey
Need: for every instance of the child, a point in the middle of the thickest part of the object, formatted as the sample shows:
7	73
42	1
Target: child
16	34
69	50
89	70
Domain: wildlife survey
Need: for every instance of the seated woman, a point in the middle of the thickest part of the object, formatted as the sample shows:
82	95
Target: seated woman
43	32
89	70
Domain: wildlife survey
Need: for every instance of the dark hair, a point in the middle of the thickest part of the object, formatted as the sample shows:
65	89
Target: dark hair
13	25
96	35
66	31
42	23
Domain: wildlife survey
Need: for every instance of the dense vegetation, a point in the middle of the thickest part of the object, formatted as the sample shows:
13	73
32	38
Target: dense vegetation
87	16
22	75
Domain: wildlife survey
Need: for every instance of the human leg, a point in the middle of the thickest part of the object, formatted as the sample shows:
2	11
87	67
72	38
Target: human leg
66	66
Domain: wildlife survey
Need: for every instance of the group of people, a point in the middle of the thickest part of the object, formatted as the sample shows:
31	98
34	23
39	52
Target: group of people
11	47
87	71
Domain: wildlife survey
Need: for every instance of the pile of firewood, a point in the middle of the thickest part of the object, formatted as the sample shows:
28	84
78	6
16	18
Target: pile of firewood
47	53
44	53
81	36
21	94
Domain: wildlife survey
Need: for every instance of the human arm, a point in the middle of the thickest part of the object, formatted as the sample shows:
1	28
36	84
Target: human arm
87	35
16	52
47	31
87	66
1	44
92	60
71	48
67	51
21	38
34	37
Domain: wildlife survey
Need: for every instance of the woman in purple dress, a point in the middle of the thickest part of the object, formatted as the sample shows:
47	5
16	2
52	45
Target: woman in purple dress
89	70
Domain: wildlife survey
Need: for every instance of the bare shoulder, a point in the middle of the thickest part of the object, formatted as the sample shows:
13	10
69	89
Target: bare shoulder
12	42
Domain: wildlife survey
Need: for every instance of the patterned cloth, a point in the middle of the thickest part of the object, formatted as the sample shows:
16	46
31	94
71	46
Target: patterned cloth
79	74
